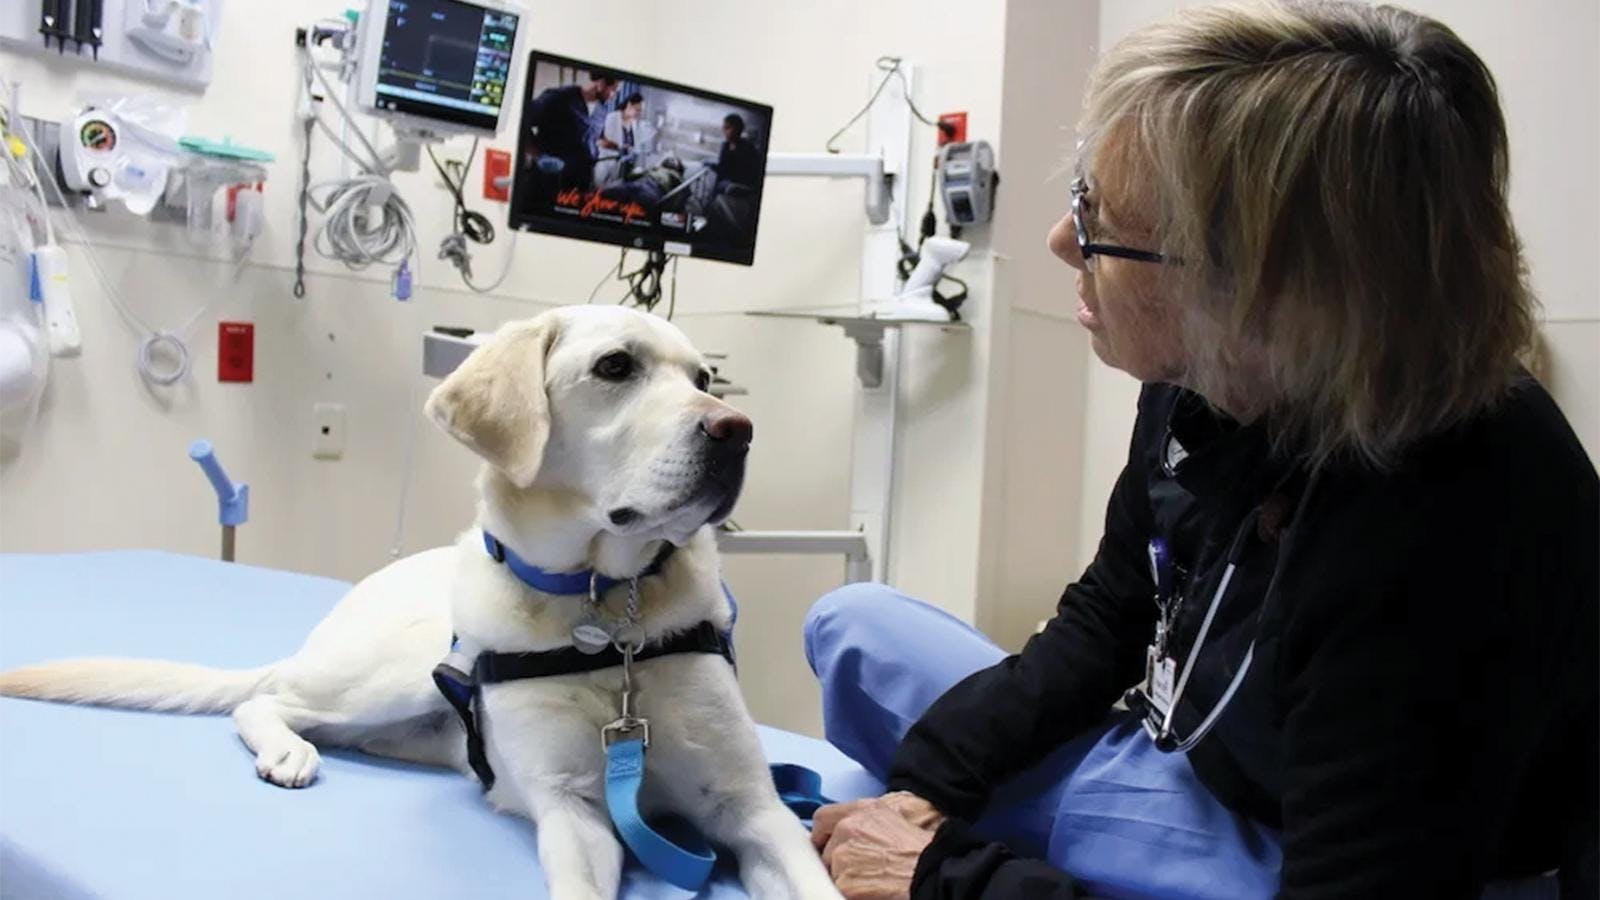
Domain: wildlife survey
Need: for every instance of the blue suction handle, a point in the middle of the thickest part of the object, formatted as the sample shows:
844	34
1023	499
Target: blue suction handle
233	500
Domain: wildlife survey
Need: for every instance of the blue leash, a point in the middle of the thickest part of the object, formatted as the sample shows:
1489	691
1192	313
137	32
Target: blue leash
686	867
687	862
800	789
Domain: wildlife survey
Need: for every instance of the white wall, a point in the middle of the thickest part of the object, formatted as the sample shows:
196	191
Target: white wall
105	465
1549	79
1035	451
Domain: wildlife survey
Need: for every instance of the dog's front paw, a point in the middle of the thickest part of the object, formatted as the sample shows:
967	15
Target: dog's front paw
290	765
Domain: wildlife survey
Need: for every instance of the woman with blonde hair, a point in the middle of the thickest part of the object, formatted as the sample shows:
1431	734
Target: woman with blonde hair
1348	587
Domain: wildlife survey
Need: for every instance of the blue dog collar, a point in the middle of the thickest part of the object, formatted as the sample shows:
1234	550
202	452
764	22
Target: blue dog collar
564	583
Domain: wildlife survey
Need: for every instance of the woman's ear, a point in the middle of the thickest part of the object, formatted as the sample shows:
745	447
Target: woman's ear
495	401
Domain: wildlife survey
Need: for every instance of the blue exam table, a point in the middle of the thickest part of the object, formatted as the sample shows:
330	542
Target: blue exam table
116	804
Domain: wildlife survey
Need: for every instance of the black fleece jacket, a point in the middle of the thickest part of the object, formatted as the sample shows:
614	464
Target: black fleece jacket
1420	716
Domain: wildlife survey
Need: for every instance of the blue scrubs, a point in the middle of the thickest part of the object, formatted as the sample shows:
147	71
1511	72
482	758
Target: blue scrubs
1123	818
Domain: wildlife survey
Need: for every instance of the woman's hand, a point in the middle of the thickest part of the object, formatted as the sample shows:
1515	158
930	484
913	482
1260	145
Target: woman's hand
912	808
871	847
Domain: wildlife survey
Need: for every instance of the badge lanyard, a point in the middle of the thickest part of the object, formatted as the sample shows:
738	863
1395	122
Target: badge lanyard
1158	703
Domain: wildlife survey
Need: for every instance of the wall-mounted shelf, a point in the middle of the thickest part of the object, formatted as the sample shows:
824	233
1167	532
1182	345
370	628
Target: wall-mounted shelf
866	329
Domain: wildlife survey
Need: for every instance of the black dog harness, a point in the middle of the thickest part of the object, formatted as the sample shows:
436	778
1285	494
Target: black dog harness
461	679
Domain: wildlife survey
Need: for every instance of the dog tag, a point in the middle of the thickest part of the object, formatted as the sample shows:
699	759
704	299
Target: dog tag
590	638
629	634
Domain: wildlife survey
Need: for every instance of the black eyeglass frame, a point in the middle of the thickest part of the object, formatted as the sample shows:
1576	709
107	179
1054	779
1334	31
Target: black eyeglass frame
1089	249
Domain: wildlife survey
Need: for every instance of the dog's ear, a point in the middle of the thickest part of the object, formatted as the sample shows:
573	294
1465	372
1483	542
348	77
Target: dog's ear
495	401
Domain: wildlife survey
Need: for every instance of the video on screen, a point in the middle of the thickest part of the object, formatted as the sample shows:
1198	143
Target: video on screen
610	156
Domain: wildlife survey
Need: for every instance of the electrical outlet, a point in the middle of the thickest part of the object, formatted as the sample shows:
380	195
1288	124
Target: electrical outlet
329	421
952	128
497	175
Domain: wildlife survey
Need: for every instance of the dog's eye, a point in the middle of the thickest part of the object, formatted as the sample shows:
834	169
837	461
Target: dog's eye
615	366
702	381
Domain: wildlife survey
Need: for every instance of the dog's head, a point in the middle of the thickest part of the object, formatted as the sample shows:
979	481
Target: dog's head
608	404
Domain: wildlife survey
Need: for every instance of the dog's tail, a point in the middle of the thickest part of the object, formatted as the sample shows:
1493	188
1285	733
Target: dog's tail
135	684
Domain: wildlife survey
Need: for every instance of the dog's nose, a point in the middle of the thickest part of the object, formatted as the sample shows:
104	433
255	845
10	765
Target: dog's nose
728	425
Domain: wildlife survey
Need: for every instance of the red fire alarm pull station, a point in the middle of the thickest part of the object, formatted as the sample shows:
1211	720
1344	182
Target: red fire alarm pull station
496	165
236	351
952	128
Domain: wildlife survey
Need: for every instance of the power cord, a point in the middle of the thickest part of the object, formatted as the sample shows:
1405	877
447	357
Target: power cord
672	301
469	225
473	225
351	234
614	271
412	417
644	283
350	231
891	66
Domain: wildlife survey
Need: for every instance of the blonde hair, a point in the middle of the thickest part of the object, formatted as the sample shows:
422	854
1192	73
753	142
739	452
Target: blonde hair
1333	177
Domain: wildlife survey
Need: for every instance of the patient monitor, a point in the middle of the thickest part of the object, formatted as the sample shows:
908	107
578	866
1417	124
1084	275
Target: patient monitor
437	68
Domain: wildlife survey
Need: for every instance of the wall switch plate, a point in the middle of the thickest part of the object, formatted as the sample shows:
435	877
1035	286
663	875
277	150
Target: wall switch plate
329	440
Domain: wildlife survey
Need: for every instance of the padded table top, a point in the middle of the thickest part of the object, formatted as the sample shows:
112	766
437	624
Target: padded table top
120	804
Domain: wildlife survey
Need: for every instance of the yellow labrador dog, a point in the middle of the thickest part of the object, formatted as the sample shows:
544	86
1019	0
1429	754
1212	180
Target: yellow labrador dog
601	446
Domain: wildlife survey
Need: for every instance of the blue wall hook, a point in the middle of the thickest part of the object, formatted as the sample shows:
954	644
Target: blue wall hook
233	500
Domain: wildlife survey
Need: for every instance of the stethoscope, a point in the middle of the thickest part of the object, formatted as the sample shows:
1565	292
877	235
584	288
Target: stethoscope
1157	721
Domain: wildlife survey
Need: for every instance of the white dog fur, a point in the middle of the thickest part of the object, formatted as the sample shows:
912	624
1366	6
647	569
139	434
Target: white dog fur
565	449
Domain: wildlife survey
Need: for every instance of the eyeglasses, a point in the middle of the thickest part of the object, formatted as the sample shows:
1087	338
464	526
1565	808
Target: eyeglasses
1089	249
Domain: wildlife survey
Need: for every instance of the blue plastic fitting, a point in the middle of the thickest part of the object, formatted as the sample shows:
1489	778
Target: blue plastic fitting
402	280
233	500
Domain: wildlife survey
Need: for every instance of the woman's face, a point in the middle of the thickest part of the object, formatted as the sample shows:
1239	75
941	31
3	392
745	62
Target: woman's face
1132	325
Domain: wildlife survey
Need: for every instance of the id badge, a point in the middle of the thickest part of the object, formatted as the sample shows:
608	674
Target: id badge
1163	675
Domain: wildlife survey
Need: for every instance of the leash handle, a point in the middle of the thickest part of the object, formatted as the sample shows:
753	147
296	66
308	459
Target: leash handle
800	789
625	742
687	864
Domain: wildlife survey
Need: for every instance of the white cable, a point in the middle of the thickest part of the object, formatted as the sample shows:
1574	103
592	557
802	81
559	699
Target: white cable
505	269
339	142
344	111
175	347
350	233
615	270
412	407
364	218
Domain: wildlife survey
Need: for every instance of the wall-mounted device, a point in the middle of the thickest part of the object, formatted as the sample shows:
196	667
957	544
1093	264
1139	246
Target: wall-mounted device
622	158
106	157
917	300
166	40
967	182
437	68
178	30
